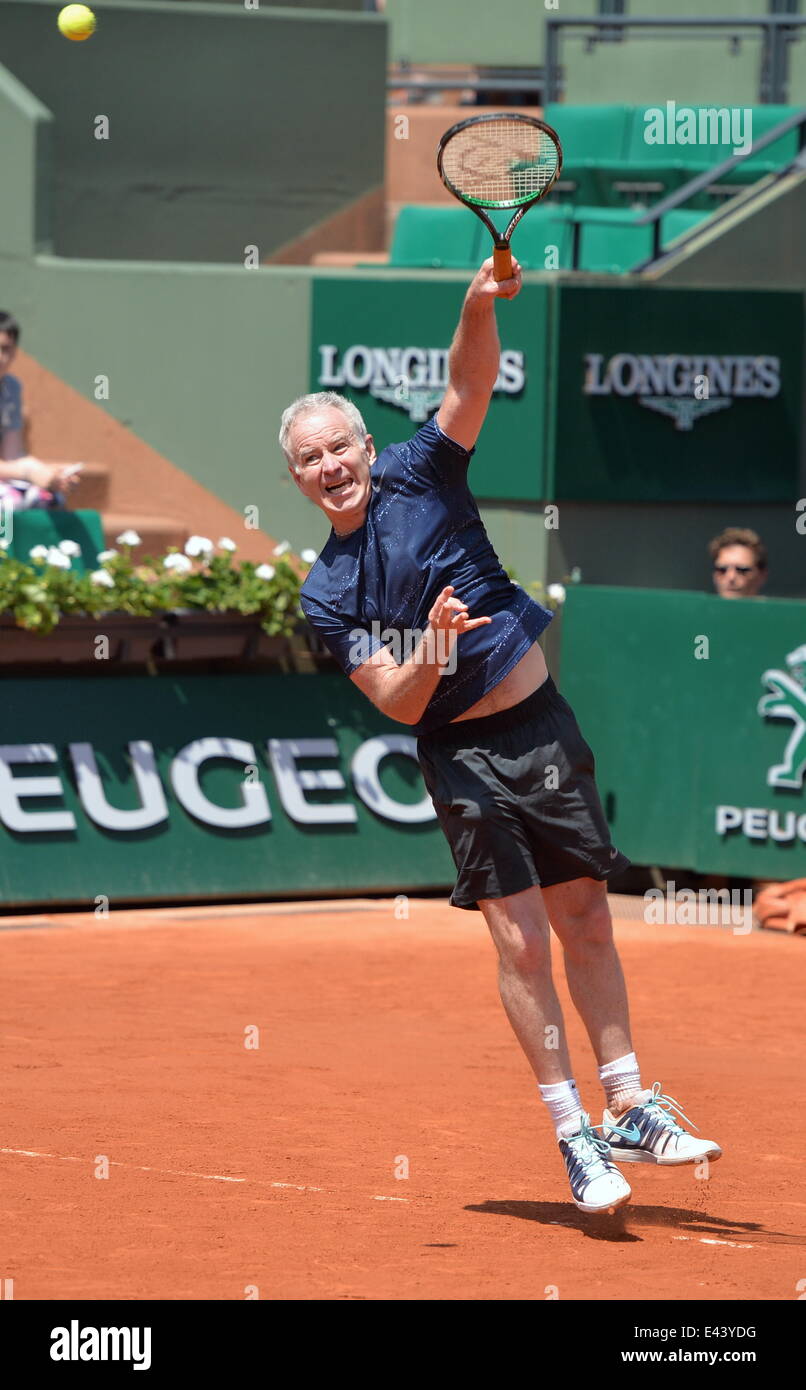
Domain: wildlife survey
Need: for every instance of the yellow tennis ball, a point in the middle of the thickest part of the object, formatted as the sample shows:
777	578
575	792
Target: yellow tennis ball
76	22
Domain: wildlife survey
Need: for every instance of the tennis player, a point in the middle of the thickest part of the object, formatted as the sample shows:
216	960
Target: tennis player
508	770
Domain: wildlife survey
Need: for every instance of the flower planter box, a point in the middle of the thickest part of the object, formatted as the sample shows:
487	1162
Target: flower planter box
74	641
164	640
189	635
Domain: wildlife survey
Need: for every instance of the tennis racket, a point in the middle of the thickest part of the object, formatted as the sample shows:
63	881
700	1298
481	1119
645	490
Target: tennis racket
506	160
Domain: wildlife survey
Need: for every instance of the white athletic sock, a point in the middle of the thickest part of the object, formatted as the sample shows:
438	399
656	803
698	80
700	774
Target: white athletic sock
621	1079
562	1099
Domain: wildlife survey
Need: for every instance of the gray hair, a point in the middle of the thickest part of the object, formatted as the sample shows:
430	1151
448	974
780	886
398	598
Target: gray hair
319	400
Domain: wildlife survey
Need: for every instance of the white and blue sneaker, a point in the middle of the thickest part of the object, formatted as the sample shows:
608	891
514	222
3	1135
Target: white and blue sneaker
595	1184
649	1133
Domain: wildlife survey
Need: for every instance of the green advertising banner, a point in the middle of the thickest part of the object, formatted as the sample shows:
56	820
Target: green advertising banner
384	344
175	787
695	707
676	395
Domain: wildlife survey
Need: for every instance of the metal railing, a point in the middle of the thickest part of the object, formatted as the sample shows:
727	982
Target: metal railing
777	31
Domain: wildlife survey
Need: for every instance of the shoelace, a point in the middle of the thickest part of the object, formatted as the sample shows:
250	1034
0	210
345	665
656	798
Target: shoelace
665	1104
587	1145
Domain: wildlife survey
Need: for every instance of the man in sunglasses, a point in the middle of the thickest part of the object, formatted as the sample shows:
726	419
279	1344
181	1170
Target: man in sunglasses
740	563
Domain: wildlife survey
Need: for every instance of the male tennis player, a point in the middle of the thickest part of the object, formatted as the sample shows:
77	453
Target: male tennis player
509	773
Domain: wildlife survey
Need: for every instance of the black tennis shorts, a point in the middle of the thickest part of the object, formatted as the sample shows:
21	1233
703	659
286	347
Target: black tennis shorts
516	797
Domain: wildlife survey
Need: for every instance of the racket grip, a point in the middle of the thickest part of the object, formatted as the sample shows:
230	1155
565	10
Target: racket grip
502	263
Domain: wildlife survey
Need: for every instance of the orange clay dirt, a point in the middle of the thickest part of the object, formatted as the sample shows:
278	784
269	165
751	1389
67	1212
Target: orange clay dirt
383	1050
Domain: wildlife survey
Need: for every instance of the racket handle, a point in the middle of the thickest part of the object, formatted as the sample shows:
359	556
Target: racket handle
502	263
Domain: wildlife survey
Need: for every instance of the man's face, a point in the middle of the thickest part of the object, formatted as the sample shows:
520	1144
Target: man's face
8	350
331	467
736	574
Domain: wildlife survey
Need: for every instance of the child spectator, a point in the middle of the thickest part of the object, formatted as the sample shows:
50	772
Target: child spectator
25	481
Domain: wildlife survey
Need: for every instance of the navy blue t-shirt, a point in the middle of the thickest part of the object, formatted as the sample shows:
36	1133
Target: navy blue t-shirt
422	531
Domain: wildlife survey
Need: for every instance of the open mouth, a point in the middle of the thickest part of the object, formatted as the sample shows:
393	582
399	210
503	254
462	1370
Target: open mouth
336	489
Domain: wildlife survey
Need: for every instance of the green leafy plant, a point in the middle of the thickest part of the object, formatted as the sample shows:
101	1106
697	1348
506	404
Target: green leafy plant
550	596
40	591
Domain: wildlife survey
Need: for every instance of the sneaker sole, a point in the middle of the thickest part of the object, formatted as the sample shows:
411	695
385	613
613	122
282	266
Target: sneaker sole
611	1206
640	1156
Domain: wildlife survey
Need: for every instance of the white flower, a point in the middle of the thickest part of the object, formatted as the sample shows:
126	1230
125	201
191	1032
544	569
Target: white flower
69	548
265	571
4	543
177	562
556	591
309	556
106	555
282	548
58	559
226	544
128	538
199	545
39	552
102	577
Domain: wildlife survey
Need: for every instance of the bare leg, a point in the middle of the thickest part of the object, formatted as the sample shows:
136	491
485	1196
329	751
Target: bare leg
580	916
520	929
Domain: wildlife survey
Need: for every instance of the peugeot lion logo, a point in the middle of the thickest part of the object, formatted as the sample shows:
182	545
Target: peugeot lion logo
787	700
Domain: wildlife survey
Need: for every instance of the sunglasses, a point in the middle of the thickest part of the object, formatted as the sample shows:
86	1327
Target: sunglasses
740	569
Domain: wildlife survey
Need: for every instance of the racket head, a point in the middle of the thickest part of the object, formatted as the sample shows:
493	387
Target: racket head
504	160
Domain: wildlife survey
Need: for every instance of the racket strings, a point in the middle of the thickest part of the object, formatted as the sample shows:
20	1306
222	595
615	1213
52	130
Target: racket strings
502	163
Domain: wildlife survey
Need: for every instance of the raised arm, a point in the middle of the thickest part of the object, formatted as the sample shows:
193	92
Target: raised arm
474	356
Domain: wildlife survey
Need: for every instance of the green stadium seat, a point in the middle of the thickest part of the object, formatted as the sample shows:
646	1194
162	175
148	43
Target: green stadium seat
773	156
546	225
49	527
609	240
654	171
612	242
589	135
454	239
681	220
439	238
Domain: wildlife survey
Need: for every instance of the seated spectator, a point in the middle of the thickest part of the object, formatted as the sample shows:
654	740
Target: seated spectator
25	481
740	563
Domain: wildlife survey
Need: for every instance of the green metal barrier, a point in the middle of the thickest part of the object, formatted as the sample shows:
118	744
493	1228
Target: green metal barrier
695	708
220	787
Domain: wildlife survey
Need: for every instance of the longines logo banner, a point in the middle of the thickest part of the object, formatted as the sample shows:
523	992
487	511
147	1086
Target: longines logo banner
384	343
666	394
413	379
682	388
196	786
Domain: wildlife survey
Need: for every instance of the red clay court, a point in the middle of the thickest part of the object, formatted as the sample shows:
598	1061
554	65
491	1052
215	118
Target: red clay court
270	1172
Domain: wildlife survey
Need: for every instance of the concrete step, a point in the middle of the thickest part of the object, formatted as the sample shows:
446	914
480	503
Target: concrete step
93	488
156	532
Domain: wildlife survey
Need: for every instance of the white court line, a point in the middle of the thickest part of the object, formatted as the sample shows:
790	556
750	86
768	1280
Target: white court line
114	1163
179	1173
708	1240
